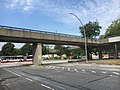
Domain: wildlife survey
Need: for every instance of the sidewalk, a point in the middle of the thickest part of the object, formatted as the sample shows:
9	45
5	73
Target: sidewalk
58	62
9	64
54	61
101	65
14	64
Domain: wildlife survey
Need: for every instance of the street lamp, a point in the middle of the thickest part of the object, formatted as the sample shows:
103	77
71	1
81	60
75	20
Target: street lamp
84	35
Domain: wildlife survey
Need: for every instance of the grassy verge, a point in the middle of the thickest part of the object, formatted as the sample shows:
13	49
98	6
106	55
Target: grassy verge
108	62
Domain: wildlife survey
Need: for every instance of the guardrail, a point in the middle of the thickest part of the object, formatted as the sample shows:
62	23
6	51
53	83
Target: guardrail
31	30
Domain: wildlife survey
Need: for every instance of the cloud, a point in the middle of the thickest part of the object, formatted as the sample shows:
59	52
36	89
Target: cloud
102	10
24	5
105	11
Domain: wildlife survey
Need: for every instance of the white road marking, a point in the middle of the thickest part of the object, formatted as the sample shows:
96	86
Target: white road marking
93	71
58	67
83	70
116	73
46	86
49	67
46	66
29	79
7	84
111	75
13	72
104	72
76	70
52	85
53	67
63	68
68	69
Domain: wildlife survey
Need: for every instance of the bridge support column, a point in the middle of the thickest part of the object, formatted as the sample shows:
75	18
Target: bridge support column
115	51
37	53
100	49
100	54
89	56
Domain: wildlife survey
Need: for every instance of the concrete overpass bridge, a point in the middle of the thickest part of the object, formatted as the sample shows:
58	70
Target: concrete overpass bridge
21	35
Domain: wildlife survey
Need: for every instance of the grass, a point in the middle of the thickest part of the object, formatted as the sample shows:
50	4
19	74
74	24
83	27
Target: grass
108	62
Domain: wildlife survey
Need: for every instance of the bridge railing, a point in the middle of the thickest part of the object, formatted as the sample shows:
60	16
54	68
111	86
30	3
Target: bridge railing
32	30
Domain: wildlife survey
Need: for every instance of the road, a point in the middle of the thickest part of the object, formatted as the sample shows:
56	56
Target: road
70	76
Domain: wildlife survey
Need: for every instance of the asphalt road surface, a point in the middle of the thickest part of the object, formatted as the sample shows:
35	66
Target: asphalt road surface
60	77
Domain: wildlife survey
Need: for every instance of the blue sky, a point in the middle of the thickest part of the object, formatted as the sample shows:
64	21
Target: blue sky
53	15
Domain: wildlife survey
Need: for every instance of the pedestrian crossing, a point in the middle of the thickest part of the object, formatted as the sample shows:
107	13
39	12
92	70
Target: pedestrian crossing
87	71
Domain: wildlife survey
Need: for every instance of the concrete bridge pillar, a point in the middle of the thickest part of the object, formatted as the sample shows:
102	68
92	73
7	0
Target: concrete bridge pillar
100	54
37	53
115	51
100	49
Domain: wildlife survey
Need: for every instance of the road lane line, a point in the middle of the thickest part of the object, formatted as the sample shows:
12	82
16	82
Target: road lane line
47	86
76	70
58	67
68	69
53	67
63	68
46	66
83	70
49	67
13	72
111	75
29	79
104	72
116	73
93	71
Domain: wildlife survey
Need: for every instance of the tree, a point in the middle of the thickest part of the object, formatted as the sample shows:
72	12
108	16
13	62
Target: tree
26	49
102	36
8	49
92	29
17	51
60	49
44	50
0	53
113	29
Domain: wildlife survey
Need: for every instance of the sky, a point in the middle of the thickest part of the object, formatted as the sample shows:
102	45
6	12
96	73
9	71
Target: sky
53	15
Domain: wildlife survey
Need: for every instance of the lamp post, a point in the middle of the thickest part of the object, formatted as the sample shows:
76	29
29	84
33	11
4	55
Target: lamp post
84	35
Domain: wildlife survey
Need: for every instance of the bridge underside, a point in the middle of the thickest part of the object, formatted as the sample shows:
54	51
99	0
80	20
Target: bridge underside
34	40
37	46
18	35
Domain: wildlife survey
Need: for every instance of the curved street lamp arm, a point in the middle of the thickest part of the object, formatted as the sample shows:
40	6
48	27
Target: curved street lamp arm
84	34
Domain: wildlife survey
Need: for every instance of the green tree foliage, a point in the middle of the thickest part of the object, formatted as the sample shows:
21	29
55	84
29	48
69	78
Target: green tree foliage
92	29
113	29
69	51
17	51
26	49
77	53
60	49
8	49
102	36
44	50
0	53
